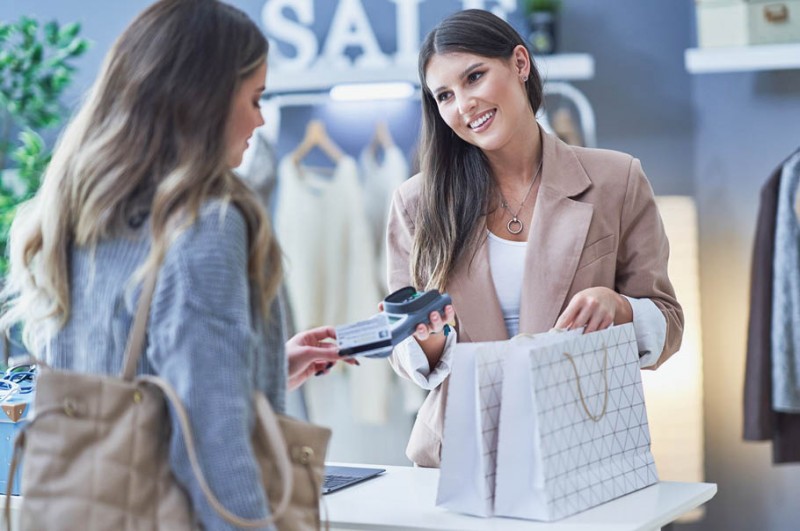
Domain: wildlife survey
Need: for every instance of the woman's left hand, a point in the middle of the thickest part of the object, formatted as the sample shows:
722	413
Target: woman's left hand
596	309
310	352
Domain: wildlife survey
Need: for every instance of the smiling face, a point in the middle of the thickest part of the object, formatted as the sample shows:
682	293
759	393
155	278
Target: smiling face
482	99
245	115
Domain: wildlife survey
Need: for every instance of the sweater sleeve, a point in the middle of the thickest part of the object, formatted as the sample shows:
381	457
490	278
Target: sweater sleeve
201	342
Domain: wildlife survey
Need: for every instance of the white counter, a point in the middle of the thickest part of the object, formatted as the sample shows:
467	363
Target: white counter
403	499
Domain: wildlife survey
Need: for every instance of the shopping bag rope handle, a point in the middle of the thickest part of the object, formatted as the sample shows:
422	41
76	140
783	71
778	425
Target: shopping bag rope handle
595	418
271	433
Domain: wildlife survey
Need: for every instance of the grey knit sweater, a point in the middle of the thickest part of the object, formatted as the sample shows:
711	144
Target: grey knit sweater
202	337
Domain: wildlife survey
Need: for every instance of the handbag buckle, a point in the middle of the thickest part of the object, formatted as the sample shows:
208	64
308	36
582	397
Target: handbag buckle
303	454
70	407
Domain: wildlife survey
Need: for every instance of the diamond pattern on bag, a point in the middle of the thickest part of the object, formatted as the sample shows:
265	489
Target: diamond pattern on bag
489	361
585	462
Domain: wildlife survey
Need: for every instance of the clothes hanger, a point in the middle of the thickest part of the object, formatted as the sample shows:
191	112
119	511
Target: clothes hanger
381	138
317	136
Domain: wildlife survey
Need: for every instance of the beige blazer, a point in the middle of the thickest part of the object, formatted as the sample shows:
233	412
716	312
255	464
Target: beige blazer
595	224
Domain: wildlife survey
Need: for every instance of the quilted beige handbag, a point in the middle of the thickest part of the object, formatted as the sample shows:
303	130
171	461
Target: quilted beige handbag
96	454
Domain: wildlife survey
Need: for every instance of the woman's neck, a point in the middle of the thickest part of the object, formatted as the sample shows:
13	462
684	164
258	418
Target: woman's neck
516	163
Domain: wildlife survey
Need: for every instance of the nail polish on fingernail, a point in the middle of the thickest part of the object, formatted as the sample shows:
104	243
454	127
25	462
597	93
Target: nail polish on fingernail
323	371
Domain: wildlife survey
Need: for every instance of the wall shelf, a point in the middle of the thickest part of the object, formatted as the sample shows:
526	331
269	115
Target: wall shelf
743	59
558	67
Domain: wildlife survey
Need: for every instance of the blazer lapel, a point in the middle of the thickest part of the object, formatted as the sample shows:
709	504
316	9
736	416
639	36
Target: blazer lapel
475	300
557	237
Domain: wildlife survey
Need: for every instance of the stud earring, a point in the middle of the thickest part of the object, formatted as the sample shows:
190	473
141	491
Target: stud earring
524	79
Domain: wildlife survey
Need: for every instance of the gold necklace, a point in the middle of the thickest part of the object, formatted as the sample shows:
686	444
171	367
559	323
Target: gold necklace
515	225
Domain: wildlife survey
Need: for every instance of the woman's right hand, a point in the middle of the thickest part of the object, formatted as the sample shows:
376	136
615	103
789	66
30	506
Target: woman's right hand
437	324
311	352
424	331
431	337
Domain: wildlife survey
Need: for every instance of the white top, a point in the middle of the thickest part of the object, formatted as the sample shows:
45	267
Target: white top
507	263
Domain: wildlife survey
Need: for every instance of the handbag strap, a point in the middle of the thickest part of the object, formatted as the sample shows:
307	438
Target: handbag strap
271	432
135	345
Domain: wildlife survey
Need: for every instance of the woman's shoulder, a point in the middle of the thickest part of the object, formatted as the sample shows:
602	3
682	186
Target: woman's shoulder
602	160
205	266
611	172
406	196
410	189
218	233
580	167
216	218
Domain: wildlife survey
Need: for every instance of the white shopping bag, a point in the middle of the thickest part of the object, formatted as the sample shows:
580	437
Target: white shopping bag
573	429
472	415
469	442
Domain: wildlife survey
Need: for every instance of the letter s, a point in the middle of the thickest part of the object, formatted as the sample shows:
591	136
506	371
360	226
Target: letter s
298	35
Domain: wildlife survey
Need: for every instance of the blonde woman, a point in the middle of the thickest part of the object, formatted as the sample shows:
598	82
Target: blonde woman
142	176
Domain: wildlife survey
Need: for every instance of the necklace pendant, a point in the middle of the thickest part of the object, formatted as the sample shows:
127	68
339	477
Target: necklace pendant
514	225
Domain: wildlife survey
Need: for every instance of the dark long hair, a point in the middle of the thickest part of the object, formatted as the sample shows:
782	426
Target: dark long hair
456	174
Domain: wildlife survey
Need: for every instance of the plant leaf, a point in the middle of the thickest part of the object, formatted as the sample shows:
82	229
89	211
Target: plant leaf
67	33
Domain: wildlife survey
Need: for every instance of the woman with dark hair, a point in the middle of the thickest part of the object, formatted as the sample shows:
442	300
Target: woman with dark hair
141	179
524	232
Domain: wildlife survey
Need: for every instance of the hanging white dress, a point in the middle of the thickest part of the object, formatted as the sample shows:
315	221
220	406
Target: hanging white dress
380	179
322	229
330	274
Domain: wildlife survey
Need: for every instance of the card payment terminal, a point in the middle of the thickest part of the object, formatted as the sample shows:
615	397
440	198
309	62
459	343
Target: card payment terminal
403	311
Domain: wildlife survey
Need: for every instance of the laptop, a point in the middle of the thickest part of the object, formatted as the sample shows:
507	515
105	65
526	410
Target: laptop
340	477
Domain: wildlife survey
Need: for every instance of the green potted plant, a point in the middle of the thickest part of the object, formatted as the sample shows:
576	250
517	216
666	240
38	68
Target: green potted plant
542	18
36	66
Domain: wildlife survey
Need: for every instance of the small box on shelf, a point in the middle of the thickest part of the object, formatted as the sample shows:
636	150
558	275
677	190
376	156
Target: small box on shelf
747	22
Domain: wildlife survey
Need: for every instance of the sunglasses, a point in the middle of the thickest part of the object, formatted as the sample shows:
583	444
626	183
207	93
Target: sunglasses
23	367
17	380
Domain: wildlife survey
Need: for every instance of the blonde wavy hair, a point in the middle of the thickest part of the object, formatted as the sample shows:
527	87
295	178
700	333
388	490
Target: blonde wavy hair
149	137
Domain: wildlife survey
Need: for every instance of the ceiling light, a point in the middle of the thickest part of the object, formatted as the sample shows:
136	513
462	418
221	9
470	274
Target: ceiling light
372	91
